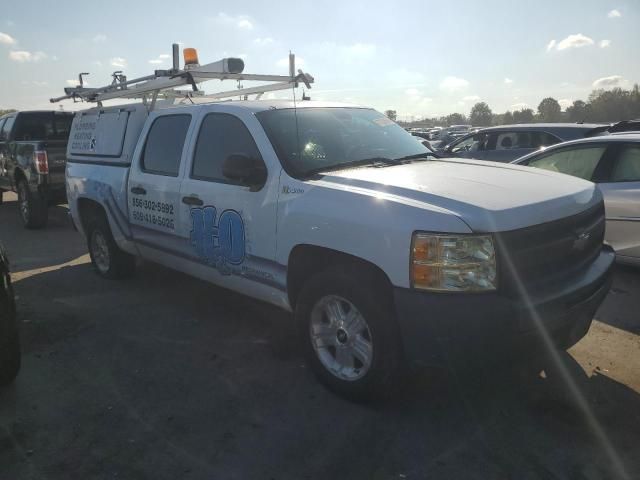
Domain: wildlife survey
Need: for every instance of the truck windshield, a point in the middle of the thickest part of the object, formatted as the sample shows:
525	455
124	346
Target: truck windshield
310	140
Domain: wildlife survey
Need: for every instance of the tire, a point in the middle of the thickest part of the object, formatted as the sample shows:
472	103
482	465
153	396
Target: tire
32	208
9	338
347	328
108	260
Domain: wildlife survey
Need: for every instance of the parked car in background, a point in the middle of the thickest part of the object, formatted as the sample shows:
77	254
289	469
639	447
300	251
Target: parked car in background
9	339
33	148
613	162
508	142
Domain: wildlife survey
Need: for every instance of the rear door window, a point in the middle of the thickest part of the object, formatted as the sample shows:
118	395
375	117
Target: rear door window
626	167
579	162
164	144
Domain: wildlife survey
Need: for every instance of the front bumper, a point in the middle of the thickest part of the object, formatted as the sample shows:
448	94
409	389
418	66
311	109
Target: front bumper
448	328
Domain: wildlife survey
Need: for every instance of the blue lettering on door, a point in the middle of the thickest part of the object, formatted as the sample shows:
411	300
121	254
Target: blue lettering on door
221	245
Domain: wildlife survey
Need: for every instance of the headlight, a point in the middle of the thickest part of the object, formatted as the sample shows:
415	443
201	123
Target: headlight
455	263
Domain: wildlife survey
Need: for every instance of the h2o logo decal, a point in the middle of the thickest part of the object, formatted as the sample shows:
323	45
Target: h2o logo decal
221	243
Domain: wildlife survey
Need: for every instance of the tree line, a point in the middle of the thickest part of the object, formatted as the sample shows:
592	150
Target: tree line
602	106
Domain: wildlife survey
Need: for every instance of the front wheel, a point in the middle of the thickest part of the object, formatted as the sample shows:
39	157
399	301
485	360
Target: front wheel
349	333
107	258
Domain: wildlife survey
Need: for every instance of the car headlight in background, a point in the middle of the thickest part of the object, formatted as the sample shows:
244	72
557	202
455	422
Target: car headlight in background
455	263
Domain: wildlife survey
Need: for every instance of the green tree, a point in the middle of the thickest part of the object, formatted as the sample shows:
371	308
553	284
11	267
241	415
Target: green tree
579	111
549	110
392	114
4	112
507	118
454	119
481	115
523	116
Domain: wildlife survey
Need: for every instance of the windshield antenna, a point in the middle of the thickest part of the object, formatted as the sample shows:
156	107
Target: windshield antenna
292	73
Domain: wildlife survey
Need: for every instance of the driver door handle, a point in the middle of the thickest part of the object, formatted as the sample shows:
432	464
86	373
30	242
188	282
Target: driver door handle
191	200
138	191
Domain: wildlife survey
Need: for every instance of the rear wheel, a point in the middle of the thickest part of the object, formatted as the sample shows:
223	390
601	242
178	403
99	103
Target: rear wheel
9	338
107	258
349	333
31	207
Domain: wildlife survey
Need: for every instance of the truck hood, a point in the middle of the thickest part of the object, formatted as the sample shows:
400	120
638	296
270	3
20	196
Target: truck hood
487	196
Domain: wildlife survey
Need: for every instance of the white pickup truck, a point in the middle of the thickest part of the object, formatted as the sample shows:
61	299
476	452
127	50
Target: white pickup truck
384	253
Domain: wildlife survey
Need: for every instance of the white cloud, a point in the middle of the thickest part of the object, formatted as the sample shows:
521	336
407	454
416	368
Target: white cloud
604	43
97	63
453	84
240	21
73	83
23	56
7	39
164	56
577	40
245	24
118	62
614	14
99	38
551	45
508	81
34	83
362	50
155	61
519	106
608	82
471	98
564	103
412	92
263	41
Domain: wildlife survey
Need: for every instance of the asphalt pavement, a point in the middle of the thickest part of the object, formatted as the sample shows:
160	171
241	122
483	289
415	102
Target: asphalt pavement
166	377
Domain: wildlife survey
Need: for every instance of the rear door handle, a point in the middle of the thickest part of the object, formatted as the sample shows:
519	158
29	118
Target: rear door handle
138	191
192	201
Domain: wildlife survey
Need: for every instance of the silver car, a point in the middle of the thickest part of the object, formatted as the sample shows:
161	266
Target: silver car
613	162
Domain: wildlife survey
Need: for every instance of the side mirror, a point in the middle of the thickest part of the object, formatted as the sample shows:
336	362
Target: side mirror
245	170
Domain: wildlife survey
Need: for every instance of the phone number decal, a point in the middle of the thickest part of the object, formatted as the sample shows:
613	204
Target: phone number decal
152	219
153	206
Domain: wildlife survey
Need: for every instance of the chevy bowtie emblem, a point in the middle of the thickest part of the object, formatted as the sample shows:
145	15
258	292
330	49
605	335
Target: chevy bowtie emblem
581	241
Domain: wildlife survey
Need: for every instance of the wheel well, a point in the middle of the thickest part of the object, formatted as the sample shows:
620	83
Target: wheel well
306	260
88	209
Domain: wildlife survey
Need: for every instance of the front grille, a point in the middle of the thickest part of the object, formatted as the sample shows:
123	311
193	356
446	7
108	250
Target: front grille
550	250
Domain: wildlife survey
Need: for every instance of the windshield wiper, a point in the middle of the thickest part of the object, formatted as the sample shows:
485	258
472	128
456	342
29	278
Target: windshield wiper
357	163
417	156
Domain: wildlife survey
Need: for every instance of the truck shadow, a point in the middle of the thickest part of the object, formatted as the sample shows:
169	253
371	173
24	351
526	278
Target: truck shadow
192	377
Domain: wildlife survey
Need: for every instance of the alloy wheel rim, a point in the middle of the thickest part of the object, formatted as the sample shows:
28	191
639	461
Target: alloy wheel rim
341	338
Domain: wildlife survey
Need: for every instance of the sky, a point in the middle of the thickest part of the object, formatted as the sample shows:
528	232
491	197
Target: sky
420	58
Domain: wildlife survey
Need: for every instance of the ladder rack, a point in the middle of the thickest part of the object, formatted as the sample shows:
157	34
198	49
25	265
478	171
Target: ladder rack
164	82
